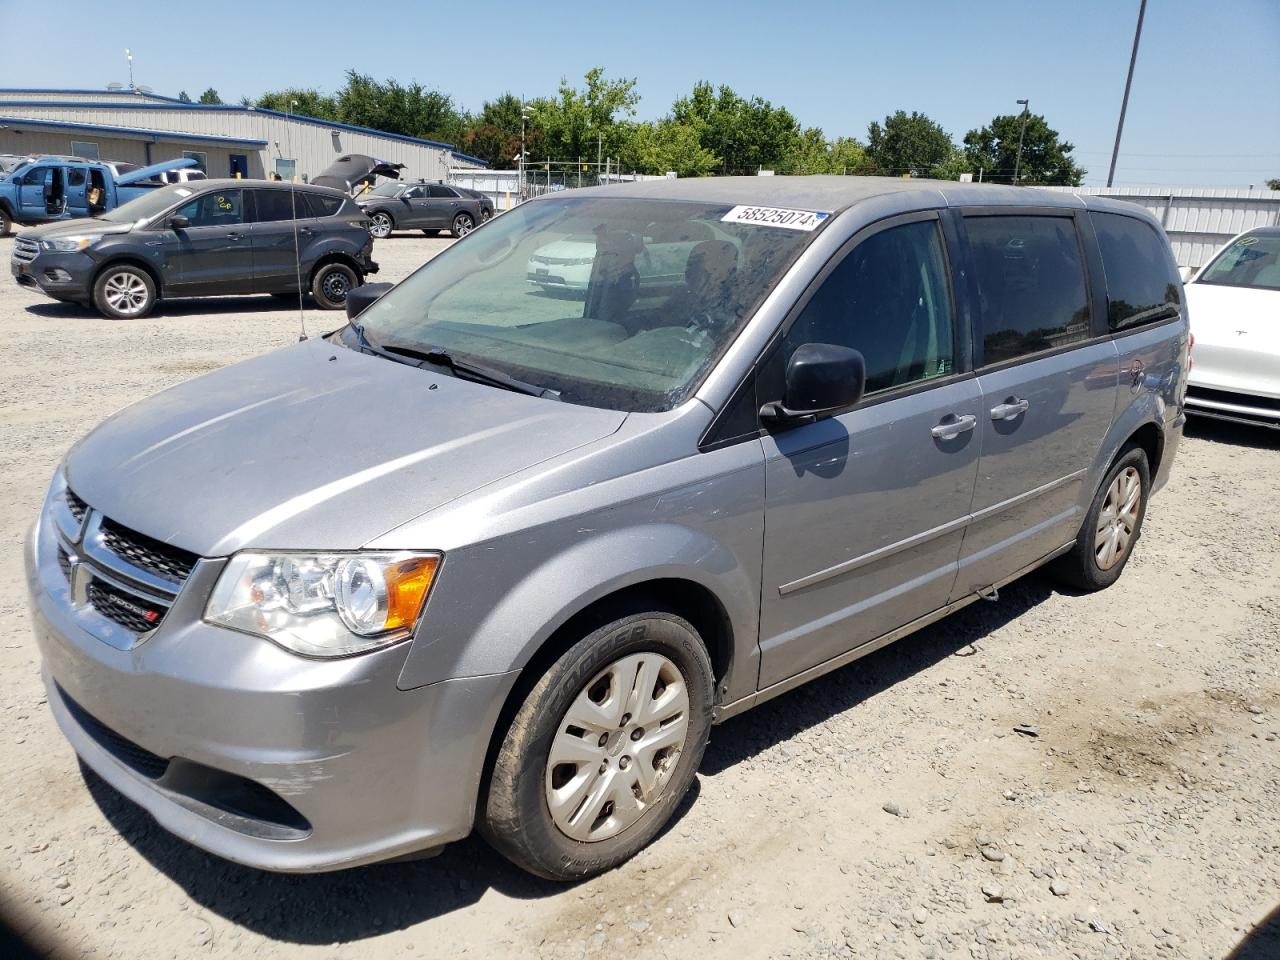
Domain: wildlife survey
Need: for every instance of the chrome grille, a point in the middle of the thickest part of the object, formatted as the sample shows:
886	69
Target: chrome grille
75	505
151	555
126	579
24	251
561	261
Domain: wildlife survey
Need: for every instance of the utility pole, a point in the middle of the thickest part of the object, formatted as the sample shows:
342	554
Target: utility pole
129	55
524	116
1128	82
1017	162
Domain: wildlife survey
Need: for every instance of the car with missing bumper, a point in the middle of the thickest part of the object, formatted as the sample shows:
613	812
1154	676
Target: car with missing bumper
202	238
1235	301
488	559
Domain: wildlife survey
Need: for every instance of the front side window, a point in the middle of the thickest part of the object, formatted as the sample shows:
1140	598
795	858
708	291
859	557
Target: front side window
222	208
1032	295
416	193
1249	261
1142	286
888	299
610	302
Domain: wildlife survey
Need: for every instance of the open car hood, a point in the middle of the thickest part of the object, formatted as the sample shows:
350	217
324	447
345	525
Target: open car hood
146	173
354	168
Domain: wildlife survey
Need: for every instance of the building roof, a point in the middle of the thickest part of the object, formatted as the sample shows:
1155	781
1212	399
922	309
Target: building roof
122	92
168	103
137	132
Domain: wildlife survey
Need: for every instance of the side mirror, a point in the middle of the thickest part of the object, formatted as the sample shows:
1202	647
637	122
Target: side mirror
179	223
822	379
1186	273
360	298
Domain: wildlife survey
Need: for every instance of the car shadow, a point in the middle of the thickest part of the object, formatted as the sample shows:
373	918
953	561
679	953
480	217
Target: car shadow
1262	942
323	908
368	901
1236	434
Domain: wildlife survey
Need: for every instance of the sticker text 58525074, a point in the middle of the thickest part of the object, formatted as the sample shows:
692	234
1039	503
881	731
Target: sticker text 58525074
776	217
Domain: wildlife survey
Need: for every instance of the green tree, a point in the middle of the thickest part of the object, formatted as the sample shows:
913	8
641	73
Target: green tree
306	102
908	144
1045	159
581	123
747	134
210	96
814	153
183	96
1273	183
656	148
412	110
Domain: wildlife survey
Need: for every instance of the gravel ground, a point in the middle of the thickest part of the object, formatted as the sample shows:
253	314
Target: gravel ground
887	810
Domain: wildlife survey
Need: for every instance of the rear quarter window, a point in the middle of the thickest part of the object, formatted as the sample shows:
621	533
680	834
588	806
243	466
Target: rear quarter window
1142	285
322	206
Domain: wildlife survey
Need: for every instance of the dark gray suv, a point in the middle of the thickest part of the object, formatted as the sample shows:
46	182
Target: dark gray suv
202	239
431	207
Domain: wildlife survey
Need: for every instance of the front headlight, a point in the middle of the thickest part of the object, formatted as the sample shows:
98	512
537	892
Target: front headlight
72	244
324	605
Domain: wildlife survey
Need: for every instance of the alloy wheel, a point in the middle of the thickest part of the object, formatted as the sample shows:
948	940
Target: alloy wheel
125	293
463	225
381	226
616	747
1118	519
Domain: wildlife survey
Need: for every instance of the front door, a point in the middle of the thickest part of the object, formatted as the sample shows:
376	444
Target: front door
864	512
41	194
213	253
1048	392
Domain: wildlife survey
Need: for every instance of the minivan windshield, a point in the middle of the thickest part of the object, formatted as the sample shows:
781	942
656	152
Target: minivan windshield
610	302
148	205
1249	261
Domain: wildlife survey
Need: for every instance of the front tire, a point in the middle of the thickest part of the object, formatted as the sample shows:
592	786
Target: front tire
124	292
6	223
380	225
1111	527
603	748
331	284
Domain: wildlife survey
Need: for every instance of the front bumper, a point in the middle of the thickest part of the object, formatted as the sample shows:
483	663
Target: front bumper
63	276
255	754
1219	404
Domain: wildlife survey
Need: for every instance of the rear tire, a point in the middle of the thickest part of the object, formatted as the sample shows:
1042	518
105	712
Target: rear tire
331	284
124	292
6	223
1111	527
579	743
463	224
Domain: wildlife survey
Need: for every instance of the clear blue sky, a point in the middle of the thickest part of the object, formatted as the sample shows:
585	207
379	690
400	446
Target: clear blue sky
1204	108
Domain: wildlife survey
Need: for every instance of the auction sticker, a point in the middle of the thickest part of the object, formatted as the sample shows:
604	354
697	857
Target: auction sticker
776	217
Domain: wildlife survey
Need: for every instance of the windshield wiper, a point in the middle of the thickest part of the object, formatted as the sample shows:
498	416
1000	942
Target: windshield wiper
468	369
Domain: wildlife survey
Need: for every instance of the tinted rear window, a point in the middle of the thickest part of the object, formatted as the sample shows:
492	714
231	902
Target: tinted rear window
1141	284
276	205
321	206
1031	288
438	191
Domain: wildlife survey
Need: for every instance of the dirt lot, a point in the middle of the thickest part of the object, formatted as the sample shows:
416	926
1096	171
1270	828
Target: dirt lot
1142	821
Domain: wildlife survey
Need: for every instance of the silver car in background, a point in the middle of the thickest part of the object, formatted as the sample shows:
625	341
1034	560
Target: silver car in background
489	559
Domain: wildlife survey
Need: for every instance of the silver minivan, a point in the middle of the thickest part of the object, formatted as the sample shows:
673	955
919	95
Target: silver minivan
492	558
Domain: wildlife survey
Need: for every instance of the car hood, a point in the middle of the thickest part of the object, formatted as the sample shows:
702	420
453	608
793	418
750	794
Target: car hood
1220	312
567	249
75	228
313	447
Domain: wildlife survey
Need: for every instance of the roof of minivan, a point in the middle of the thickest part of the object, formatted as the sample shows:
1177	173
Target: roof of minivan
829	193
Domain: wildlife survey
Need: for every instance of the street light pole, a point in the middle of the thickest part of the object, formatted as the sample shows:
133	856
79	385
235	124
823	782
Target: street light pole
1017	162
524	115
1128	82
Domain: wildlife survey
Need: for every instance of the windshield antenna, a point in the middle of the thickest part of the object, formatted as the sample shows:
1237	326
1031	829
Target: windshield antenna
293	200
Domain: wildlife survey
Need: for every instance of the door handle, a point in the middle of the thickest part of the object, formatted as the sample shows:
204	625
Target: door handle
233	236
952	426
1011	409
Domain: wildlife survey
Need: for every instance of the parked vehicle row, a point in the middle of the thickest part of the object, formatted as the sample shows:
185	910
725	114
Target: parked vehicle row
202	238
547	573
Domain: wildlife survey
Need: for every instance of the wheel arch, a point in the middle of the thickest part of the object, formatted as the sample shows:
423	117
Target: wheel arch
334	256
132	260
